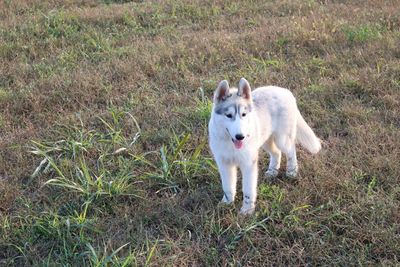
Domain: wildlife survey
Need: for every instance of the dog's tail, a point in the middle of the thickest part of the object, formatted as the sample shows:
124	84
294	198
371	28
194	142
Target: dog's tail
305	135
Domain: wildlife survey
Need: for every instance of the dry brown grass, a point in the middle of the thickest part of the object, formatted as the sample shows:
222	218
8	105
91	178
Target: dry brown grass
71	62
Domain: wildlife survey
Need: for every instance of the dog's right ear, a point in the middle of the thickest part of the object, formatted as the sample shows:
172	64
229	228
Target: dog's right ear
222	91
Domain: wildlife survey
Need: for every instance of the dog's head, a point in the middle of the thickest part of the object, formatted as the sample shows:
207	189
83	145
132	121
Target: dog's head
233	110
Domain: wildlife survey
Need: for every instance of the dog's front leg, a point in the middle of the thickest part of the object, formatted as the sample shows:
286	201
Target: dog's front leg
250	175
228	178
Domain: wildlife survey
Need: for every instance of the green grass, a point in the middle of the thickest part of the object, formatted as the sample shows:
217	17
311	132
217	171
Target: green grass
104	107
363	33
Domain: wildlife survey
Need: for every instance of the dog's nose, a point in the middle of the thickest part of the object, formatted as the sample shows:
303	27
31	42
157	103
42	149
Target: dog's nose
239	136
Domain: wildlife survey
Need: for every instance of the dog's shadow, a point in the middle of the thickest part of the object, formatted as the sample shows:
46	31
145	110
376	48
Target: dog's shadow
280	179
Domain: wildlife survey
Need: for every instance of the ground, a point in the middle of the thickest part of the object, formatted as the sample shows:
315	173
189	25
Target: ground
103	132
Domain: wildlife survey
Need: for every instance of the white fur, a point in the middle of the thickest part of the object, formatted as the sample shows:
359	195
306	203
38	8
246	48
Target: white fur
273	123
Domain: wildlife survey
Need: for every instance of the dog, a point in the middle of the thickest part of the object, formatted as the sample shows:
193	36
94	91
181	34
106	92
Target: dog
242	121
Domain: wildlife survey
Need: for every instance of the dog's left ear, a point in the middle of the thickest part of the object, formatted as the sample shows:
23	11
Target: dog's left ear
244	89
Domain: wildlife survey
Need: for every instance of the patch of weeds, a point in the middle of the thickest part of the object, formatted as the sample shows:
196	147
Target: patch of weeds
195	13
91	163
63	237
95	45
370	181
69	58
130	21
203	108
179	166
274	196
64	229
102	164
232	8
198	114
282	42
105	258
44	70
279	211
89	166
58	24
363	33
294	217
264	64
252	23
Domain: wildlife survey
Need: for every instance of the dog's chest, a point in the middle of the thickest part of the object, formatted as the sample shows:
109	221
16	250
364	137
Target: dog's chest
227	152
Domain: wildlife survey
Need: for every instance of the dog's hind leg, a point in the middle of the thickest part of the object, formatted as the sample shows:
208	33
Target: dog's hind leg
228	174
292	167
275	157
288	147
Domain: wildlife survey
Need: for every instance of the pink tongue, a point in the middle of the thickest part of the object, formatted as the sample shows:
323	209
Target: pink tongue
238	143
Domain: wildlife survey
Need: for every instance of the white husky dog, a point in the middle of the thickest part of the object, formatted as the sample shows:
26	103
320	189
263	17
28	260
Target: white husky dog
241	122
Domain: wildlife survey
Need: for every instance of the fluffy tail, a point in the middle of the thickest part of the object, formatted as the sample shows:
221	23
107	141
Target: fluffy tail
306	137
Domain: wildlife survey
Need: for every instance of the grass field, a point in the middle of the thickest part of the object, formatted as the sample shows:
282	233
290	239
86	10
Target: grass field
103	132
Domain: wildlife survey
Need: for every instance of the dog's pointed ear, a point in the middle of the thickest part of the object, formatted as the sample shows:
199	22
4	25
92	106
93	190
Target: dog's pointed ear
222	91
244	89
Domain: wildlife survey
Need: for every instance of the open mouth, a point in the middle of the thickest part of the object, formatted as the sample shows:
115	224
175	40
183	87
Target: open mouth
238	143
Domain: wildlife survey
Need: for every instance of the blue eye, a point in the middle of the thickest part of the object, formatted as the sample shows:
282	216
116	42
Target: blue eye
228	116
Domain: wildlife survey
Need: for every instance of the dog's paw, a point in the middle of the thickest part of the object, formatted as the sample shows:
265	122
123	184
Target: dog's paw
248	206
291	173
247	210
271	173
226	201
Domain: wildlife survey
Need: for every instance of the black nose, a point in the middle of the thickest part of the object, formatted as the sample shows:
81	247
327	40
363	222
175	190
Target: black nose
239	136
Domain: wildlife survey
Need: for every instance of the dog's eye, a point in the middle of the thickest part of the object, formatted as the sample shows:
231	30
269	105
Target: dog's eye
228	116
243	114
